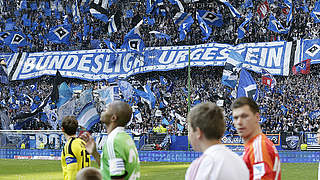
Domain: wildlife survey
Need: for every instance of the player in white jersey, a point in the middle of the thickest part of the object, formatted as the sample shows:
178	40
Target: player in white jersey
206	127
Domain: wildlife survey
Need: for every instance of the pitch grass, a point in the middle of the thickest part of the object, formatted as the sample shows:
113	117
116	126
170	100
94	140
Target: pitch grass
51	170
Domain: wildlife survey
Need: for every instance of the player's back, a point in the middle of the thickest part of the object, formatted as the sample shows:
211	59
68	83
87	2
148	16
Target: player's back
74	157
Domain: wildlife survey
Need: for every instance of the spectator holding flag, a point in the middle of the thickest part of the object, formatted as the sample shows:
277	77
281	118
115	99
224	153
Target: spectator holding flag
260	156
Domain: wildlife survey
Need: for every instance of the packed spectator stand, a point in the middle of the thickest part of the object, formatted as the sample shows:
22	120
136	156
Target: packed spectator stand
285	108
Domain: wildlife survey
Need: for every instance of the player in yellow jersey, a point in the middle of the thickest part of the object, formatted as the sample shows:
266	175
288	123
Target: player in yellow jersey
74	155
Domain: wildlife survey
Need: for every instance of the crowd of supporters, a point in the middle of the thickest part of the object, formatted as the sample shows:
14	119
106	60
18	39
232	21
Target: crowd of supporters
287	107
87	32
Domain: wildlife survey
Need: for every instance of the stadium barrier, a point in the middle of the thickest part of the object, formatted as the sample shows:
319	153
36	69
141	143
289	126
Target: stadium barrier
157	156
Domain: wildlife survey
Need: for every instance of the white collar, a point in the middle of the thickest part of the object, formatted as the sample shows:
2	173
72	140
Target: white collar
116	130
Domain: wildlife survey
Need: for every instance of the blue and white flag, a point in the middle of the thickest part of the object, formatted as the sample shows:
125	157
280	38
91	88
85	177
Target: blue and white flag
184	21
248	3
132	41
59	34
241	29
126	89
180	127
14	40
234	11
289	5
211	18
205	29
276	26
177	2
110	2
160	35
107	95
163	80
47	9
129	13
111	45
23	4
99	12
284	109
66	109
231	69
316	12
149	6
85	97
152	98
247	86
26	20
75	12
146	96
10	25
137	114
65	94
314	114
112	26
88	116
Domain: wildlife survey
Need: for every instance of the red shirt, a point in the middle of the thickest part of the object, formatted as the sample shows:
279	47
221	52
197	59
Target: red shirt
262	159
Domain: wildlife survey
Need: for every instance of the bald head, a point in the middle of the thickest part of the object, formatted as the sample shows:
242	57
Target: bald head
89	173
121	110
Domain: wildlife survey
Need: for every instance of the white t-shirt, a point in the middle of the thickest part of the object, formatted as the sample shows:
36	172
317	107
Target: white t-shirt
218	162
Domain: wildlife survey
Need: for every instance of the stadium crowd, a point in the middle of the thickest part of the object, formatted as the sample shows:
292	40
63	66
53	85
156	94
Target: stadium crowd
287	107
35	19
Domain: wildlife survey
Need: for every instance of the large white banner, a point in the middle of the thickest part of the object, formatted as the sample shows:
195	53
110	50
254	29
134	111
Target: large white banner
103	64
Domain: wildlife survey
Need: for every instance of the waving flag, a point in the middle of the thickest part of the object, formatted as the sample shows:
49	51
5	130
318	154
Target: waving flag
234	11
184	21
316	12
206	30
248	3
149	6
26	20
163	80
129	13
178	2
107	95
75	12
146	95
111	45
231	69
113	24
289	5
211	18
99	12
247	86
268	79
160	35
276	26
132	41
59	34
14	40
65	94
241	29
88	116
303	67
126	89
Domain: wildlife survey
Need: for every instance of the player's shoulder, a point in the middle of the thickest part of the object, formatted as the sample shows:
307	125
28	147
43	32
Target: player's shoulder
78	143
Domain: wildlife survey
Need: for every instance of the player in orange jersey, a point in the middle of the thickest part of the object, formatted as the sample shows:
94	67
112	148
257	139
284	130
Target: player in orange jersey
260	154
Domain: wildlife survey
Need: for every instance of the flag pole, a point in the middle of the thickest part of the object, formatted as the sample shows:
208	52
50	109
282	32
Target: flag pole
189	91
